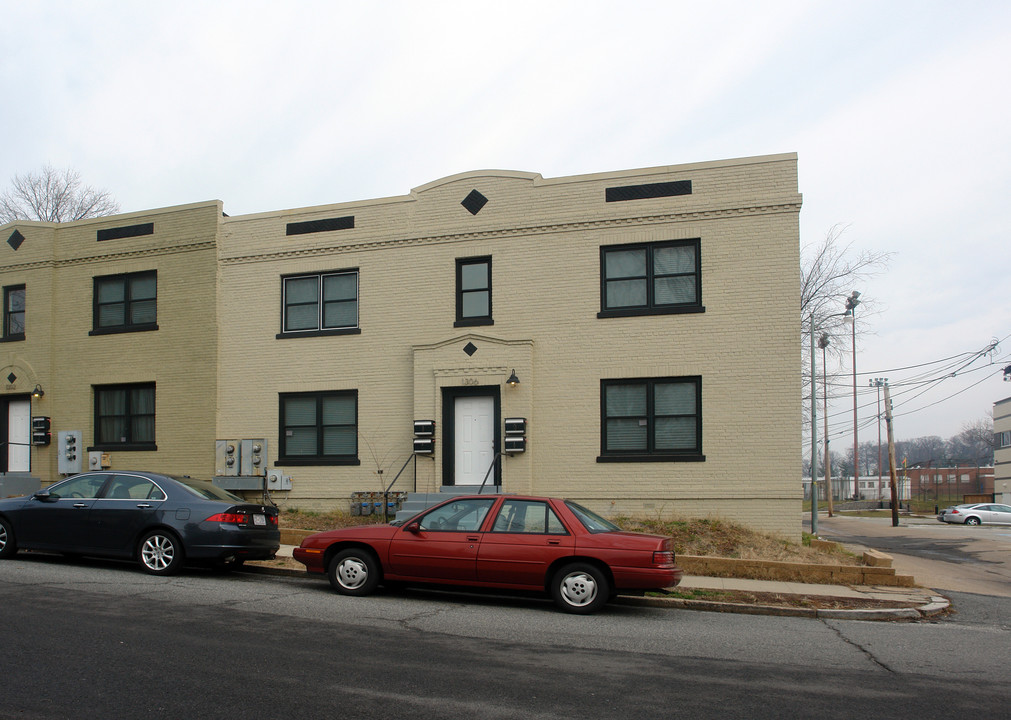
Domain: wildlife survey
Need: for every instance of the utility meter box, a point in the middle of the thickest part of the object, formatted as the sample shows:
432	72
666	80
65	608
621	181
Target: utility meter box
69	458
277	480
253	457
226	457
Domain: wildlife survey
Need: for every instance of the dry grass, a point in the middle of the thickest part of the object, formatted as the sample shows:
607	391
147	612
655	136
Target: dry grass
719	538
697	536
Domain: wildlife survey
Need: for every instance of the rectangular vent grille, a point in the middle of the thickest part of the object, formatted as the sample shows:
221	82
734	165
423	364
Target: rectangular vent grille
650	190
315	226
126	232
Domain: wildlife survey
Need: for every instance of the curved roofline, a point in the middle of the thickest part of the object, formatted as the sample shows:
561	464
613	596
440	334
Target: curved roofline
473	174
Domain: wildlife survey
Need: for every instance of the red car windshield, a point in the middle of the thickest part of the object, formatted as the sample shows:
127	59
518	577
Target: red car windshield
591	520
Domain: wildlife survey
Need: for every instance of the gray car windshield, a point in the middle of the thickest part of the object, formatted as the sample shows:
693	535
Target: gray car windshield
206	490
591	520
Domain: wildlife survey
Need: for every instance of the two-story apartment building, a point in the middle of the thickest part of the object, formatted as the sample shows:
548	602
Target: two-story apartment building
639	329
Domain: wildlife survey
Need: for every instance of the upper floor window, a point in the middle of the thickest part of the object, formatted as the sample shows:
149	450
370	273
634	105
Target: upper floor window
319	428
14	313
126	303
322	303
651	419
473	291
1004	439
124	416
650	278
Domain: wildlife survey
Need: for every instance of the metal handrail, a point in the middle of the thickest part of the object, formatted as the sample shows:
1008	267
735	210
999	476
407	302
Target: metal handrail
386	492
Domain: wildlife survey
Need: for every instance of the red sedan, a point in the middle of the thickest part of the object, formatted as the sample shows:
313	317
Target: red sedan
498	541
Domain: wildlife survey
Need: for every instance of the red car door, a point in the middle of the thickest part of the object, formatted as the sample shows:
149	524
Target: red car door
525	539
443	543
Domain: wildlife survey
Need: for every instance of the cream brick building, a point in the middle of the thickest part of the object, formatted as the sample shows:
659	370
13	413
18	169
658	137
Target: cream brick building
650	317
119	330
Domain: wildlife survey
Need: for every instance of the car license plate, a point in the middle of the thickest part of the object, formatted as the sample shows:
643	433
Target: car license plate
259	520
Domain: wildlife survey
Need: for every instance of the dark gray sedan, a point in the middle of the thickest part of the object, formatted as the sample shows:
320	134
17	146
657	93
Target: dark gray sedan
158	520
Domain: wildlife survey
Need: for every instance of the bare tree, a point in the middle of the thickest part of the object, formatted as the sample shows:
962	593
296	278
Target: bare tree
53	195
829	272
978	437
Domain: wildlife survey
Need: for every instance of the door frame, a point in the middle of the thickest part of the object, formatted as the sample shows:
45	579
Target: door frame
449	397
5	409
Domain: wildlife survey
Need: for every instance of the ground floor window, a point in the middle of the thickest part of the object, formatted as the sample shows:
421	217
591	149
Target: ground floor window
319	428
125	416
651	419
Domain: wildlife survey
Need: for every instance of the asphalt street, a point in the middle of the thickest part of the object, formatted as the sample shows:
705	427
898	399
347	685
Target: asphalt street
939	555
102	639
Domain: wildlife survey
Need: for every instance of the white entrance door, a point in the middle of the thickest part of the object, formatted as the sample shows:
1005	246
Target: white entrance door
474	441
19	436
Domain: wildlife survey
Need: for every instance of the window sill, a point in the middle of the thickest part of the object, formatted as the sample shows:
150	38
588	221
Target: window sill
317	333
633	312
316	461
13	338
123	329
693	457
473	322
124	447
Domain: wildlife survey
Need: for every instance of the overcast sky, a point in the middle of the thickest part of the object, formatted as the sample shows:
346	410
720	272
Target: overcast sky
898	112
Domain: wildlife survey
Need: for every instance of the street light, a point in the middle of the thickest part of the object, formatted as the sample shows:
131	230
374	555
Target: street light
851	306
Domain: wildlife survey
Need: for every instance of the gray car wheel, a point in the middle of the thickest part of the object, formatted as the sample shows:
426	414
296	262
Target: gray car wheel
972	521
160	553
354	571
7	544
580	588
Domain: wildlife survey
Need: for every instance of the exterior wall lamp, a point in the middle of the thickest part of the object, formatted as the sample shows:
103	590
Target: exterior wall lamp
513	381
38	391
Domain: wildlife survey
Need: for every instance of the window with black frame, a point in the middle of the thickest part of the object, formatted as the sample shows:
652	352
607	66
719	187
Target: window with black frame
14	313
650	278
651	419
125	416
319	428
126	303
320	304
473	292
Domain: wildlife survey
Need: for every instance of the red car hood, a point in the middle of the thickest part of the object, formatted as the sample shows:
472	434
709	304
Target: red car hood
359	532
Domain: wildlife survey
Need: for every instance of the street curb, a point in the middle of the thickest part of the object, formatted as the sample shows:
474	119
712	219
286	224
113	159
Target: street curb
936	606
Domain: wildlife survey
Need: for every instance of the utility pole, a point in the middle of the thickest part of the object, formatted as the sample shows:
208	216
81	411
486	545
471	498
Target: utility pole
823	343
879	383
814	440
851	313
891	457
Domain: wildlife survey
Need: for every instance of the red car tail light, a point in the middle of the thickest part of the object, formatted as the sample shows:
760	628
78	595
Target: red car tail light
236	518
663	557
954	512
272	519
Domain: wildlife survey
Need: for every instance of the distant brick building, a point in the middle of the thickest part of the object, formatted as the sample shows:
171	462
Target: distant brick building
649	316
956	481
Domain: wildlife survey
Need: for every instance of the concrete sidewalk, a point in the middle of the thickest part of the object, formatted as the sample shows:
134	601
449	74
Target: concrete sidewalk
926	602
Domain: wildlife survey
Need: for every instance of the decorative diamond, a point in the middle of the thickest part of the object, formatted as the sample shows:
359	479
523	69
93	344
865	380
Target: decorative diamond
470	348
474	202
11	378
15	239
